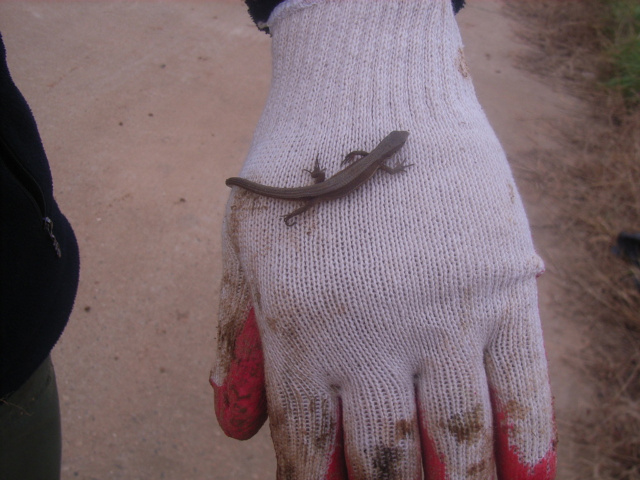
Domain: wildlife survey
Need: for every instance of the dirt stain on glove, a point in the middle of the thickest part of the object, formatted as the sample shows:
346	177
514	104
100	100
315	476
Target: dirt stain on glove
406	429
467	427
477	470
462	64
385	462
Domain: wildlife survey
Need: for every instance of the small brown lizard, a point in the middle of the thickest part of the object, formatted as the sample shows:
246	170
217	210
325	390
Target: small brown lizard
340	184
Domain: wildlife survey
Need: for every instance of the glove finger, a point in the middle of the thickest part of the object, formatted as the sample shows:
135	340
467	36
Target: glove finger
305	428
368	432
240	401
381	429
523	408
455	416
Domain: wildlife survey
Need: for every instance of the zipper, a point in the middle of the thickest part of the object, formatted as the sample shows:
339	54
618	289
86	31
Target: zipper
32	189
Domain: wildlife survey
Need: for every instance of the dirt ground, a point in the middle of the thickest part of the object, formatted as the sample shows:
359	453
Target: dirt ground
144	109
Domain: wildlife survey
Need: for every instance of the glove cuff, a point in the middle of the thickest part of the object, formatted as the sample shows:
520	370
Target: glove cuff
356	69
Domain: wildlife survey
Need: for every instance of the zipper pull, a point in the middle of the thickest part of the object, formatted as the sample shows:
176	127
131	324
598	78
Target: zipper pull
47	224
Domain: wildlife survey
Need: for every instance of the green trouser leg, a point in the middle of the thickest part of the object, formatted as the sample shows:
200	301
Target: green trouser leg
30	437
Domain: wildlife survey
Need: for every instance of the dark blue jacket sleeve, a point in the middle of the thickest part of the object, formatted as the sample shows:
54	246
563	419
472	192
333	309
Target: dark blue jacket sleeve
38	276
261	9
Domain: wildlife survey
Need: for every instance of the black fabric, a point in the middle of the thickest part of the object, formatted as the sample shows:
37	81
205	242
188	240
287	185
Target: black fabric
261	9
457	5
37	288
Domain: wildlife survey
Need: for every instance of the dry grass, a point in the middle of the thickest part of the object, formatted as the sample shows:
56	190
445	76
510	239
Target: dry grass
598	191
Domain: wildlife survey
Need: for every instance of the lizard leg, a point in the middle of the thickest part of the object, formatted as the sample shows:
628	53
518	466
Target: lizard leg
289	220
397	168
350	157
317	173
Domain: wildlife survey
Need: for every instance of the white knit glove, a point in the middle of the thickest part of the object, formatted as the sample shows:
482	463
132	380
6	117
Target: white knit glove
396	328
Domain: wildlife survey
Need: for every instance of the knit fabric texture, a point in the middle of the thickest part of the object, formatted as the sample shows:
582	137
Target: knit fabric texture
260	10
403	316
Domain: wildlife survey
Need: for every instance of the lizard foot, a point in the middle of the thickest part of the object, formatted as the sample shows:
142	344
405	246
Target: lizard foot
317	173
350	157
397	168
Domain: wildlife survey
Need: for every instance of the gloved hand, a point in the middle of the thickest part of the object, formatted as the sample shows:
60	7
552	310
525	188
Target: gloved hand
396	328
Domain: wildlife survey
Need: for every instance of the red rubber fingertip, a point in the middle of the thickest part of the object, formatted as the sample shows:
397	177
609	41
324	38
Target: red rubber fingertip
338	465
432	462
241	401
508	462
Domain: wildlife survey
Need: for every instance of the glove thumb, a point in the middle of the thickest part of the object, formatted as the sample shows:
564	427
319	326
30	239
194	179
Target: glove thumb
241	402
